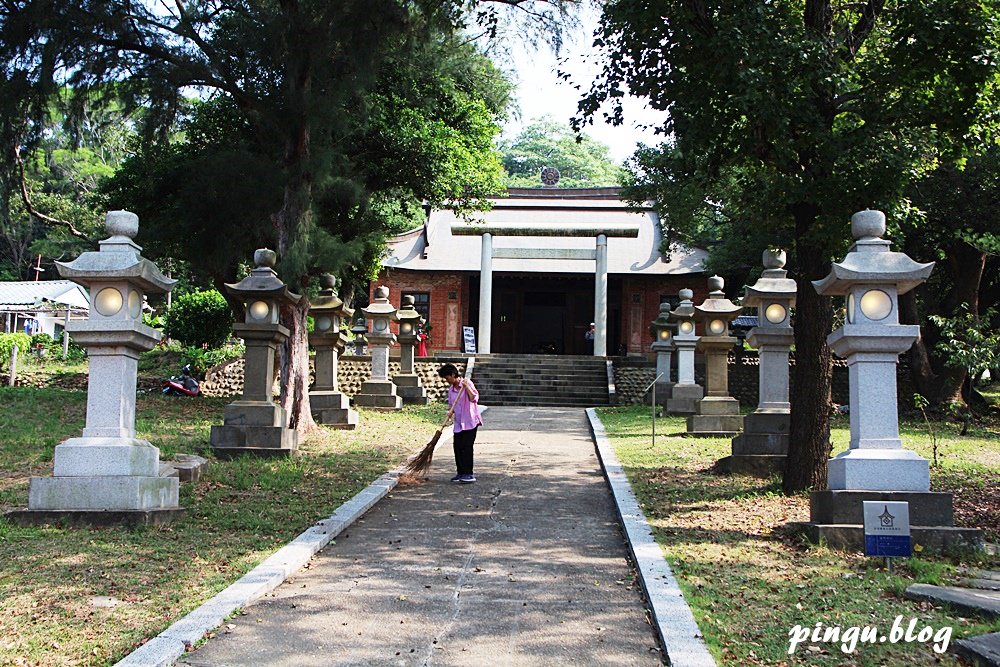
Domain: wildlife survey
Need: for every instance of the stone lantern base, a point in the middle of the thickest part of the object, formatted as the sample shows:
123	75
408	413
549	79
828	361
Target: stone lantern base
378	394
332	408
684	399
100	481
410	389
836	518
762	448
254	428
715	416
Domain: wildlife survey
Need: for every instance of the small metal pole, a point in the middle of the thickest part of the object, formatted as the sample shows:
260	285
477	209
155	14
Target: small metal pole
653	386
65	334
13	366
888	563
654	414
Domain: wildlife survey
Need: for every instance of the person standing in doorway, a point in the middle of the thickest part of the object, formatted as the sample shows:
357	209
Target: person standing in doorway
463	398
589	339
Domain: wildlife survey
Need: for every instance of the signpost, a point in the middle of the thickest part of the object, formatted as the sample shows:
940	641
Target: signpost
469	340
887	529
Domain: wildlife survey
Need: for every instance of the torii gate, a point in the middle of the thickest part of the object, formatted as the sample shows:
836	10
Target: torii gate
600	233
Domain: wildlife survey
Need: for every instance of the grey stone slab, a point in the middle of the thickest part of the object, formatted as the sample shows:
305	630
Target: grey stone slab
984	584
932	508
524	567
981	650
967	599
933	539
114	493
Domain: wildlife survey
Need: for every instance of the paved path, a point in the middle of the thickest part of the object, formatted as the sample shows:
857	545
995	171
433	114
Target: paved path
525	567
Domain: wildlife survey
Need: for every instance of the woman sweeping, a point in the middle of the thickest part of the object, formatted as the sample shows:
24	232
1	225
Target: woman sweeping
463	400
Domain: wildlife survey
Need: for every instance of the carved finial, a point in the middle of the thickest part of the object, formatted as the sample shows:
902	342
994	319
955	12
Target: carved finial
327	281
867	224
122	223
686	294
264	258
715	284
382	292
774	258
408	301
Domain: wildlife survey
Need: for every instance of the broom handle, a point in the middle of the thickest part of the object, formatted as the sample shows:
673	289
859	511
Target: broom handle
451	410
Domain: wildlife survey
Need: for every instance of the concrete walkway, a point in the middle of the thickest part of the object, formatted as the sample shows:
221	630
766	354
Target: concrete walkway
525	567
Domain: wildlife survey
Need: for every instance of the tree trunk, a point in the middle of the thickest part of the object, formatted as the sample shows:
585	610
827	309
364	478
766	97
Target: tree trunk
292	219
809	435
295	368
938	388
293	224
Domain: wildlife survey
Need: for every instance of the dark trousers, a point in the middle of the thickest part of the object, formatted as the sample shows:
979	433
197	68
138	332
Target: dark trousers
464	440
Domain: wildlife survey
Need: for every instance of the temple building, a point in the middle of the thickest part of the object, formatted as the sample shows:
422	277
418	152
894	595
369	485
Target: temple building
532	274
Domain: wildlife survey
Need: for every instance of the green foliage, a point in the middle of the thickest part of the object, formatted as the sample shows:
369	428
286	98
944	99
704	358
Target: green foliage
581	161
7	343
968	342
201	317
201	360
784	122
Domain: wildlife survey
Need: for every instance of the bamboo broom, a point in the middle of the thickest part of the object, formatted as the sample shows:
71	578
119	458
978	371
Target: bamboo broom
422	461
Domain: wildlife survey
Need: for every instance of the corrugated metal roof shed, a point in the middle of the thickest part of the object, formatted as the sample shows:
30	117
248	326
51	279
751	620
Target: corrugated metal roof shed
28	295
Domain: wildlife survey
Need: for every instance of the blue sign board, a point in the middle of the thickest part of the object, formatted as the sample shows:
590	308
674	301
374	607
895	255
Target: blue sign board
887	529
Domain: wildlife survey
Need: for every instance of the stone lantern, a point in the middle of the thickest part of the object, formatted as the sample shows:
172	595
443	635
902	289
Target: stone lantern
763	446
359	330
686	393
380	391
662	329
876	467
329	406
717	413
108	476
407	381
255	424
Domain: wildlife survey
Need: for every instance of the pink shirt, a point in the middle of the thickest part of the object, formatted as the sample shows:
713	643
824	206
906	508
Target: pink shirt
467	411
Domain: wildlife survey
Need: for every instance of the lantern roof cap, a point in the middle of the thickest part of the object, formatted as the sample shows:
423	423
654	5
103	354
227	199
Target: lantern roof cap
663	318
406	312
263	282
380	306
870	261
328	299
773	283
119	258
717	304
684	310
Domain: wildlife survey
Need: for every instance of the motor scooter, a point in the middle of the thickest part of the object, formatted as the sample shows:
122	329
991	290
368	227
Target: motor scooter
183	385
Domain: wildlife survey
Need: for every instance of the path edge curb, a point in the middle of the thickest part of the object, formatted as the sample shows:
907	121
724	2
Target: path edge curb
173	643
683	644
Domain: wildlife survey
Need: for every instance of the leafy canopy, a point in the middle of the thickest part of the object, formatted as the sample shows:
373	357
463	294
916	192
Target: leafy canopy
581	160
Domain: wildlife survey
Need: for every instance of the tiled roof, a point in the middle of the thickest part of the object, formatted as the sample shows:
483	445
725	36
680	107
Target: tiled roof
434	247
31	294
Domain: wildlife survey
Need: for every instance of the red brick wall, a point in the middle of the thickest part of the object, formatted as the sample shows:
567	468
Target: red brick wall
440	286
636	316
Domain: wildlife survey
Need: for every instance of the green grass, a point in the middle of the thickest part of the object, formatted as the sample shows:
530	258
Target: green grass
749	580
238	514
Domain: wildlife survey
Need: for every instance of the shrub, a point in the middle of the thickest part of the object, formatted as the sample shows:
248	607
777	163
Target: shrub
202	360
197	318
7	343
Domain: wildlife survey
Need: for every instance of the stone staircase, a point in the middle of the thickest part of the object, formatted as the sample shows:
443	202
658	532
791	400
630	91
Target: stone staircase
541	380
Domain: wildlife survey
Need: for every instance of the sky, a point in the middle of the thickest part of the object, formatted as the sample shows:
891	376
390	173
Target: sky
540	92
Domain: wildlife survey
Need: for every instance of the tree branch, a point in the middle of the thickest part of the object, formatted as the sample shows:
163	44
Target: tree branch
31	209
864	25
